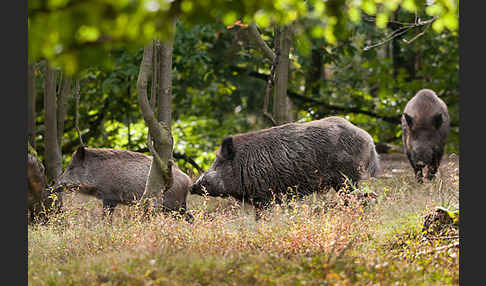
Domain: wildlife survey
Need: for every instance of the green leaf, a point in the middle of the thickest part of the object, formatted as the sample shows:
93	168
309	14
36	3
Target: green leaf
229	18
262	19
381	20
369	7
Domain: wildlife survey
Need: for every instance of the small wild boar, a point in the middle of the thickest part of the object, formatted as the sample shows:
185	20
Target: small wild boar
40	203
118	177
306	157
425	127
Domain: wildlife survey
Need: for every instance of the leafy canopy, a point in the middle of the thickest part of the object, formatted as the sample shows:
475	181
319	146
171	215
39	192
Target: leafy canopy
75	34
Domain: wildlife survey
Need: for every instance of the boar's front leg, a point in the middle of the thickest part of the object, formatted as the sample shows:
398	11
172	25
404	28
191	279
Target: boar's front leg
419	174
432	169
417	169
109	207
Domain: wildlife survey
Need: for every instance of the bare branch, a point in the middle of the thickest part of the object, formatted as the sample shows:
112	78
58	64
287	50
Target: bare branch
387	39
400	31
416	36
418	21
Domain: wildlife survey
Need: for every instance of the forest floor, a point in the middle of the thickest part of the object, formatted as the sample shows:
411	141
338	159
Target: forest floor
321	240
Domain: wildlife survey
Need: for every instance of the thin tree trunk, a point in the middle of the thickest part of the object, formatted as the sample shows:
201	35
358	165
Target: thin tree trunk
159	175
282	106
62	108
52	150
31	114
315	74
164	111
129	144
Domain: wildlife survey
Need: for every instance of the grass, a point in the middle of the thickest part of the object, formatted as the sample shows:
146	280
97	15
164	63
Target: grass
302	243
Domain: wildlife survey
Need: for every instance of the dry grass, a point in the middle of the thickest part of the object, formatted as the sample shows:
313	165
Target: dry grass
303	242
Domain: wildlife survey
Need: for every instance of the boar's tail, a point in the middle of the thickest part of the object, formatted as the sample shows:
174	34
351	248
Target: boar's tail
374	165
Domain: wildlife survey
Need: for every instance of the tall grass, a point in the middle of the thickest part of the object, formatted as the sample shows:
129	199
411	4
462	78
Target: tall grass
301	242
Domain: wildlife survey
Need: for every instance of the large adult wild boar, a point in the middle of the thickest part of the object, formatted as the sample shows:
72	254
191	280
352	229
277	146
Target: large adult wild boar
425	126
307	157
40	202
119	176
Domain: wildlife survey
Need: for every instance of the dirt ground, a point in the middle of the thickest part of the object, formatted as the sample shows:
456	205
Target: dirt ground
397	164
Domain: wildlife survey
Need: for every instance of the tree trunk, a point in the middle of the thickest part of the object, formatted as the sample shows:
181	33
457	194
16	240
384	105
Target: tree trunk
160	177
52	150
62	108
315	74
31	96
282	105
165	82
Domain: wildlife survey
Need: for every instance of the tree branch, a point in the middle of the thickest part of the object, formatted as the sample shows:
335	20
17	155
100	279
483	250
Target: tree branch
400	31
257	38
320	104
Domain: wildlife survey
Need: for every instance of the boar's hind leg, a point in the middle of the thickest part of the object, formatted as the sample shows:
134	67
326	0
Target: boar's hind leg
109	207
260	207
185	214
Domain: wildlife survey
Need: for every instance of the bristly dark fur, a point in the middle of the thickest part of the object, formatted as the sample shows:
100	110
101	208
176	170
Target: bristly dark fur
118	154
306	157
425	127
119	177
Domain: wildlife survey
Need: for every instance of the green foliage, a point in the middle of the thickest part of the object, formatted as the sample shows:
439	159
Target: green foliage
382	79
219	82
76	34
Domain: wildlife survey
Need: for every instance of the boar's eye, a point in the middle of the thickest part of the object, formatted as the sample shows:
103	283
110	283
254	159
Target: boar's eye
437	120
409	120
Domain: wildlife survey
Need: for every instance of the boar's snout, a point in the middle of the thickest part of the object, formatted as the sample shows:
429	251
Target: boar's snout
420	164
196	188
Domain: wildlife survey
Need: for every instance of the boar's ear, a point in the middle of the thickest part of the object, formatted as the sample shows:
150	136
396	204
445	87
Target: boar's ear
409	120
227	148
437	120
81	152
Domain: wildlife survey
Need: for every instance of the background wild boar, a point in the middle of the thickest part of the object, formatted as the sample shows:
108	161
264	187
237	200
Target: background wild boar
307	157
425	126
39	202
119	176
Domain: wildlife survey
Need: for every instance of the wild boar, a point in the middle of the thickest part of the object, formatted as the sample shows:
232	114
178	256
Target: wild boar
118	177
40	202
425	127
295	158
